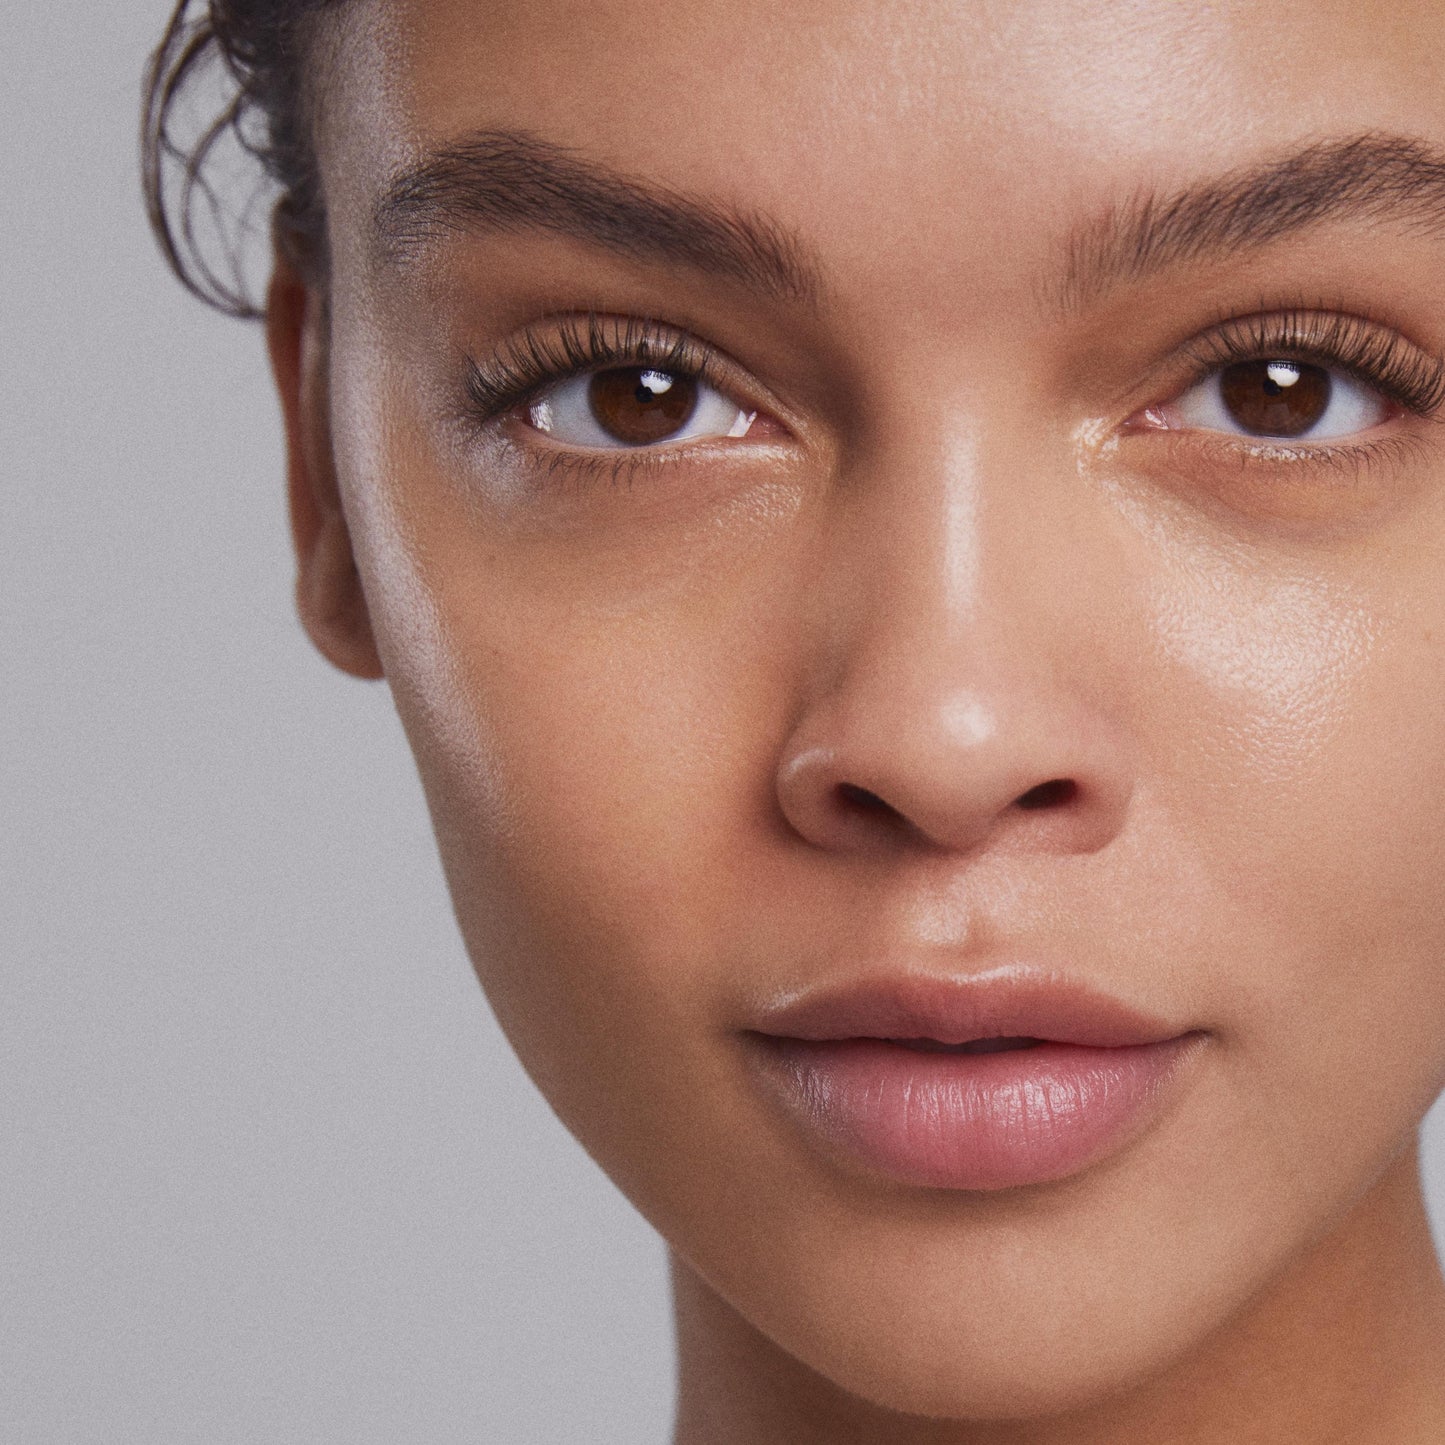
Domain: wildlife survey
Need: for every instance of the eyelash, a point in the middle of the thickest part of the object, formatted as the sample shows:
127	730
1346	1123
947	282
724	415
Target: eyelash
534	361
1363	350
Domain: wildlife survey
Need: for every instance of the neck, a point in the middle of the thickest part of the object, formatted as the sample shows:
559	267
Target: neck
1347	1344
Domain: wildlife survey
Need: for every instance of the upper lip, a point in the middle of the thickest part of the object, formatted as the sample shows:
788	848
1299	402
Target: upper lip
1017	1002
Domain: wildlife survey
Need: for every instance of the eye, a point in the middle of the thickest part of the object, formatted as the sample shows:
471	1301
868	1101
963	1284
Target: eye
1283	399
636	406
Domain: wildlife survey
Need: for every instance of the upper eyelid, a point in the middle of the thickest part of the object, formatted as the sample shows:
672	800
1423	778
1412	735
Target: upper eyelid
534	360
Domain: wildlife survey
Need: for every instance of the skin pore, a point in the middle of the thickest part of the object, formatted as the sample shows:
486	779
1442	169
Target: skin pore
706	722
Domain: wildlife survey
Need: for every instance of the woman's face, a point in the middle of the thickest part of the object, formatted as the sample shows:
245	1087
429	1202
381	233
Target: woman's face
1043	578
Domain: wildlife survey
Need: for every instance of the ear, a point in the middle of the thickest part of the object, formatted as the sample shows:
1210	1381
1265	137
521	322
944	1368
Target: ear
328	587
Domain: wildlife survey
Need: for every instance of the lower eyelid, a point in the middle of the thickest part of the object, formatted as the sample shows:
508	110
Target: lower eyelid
1207	458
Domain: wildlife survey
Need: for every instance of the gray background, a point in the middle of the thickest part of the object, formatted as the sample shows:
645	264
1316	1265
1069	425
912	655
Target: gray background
268	1171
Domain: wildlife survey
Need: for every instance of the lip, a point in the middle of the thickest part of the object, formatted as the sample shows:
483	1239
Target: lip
867	1072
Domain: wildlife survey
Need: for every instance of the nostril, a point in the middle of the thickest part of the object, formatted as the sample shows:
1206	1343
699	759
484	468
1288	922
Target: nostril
864	801
1053	794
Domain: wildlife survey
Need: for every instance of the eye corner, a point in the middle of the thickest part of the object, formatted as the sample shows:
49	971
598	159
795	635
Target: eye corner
1153	417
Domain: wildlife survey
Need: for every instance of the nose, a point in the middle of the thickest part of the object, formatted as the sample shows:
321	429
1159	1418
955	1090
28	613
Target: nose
957	702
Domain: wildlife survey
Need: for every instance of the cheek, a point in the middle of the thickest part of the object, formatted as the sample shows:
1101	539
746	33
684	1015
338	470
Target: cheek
1279	662
1307	775
598	758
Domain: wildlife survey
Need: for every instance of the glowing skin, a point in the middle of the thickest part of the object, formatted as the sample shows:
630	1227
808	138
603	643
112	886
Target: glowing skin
756	713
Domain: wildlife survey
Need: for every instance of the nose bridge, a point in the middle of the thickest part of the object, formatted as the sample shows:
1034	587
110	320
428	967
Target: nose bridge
959	565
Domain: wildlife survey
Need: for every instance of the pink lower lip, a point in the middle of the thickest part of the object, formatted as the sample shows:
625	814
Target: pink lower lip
973	1121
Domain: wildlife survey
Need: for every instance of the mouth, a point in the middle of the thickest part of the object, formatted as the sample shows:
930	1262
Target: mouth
973	1046
984	1083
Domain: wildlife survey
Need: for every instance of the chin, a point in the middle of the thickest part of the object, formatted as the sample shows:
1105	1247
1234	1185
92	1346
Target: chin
1046	1301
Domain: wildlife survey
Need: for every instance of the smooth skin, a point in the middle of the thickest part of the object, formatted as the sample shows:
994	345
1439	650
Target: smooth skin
967	549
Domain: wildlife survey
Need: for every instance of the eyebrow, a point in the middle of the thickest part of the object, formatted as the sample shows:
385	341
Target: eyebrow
1371	177
509	181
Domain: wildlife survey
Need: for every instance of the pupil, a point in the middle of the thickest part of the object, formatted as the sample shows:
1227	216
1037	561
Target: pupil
639	405
1275	398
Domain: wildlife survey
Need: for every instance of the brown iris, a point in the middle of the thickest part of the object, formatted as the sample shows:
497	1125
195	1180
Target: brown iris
639	405
1275	398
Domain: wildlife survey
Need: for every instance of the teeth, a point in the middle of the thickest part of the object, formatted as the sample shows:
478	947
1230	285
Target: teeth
973	1046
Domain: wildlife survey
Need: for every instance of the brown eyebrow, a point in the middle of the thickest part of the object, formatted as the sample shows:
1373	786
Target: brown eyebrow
1372	177
506	180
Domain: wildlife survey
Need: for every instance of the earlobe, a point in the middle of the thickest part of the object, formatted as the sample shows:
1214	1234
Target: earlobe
329	595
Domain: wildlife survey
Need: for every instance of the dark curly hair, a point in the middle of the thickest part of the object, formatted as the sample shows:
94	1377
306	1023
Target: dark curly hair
257	49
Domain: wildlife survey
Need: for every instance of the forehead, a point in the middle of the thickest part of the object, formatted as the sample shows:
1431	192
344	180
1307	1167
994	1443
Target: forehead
973	129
